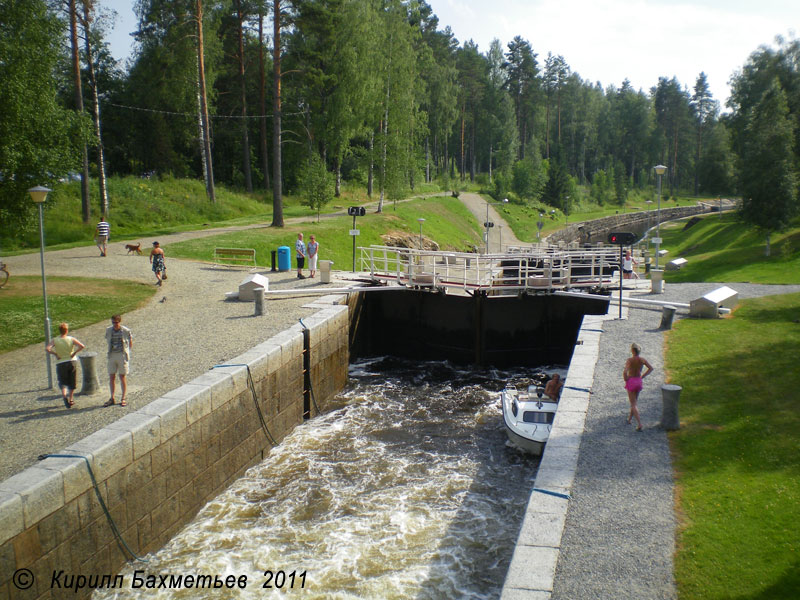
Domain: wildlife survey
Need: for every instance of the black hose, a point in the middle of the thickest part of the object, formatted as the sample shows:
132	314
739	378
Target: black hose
100	499
252	387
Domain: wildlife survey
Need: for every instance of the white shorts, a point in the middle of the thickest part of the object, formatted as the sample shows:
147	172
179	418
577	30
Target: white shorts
117	364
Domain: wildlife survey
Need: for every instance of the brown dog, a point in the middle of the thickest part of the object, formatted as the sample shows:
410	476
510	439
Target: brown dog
134	248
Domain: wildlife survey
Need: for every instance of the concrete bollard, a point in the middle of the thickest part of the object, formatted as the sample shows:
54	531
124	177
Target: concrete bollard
258	296
90	384
325	270
657	280
667	315
670	394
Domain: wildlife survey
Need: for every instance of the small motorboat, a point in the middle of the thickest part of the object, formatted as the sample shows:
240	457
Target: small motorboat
528	417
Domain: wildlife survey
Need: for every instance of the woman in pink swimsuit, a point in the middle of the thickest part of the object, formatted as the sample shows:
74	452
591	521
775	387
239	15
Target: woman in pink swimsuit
632	374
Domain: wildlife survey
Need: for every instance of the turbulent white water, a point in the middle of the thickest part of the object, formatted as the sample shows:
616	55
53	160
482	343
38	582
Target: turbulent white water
406	489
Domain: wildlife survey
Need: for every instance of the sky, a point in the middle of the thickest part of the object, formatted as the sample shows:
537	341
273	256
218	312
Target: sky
605	40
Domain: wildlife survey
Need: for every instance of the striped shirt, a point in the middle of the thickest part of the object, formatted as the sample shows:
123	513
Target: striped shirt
103	228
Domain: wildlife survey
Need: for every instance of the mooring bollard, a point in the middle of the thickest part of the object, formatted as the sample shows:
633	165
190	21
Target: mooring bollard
657	281
667	315
90	383
258	295
670	394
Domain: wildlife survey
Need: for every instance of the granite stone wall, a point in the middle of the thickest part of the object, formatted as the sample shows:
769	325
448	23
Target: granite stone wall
156	467
598	229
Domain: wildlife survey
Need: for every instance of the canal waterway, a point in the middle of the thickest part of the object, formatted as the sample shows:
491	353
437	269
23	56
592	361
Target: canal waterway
405	489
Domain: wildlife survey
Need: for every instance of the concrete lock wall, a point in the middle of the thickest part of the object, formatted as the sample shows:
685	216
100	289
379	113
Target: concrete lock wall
156	467
638	222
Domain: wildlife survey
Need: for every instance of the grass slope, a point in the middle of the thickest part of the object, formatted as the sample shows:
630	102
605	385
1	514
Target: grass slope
737	456
724	249
447	221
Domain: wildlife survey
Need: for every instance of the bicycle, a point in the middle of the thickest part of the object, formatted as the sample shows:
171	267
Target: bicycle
3	274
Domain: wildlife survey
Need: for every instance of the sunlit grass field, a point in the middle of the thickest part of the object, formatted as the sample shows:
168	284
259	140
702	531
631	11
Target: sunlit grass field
76	300
447	221
737	454
721	248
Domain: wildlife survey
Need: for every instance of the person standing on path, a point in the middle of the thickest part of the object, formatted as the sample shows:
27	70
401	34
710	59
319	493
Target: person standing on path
64	348
103	231
632	374
157	260
120	343
313	254
628	266
300	252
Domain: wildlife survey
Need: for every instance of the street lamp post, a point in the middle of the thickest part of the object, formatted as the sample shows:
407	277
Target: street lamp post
39	195
539	225
421	221
487	224
660	170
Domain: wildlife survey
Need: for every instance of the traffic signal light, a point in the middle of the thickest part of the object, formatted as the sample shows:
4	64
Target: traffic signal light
621	238
356	211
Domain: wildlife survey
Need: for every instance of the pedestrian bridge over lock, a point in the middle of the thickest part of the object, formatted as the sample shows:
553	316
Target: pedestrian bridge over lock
525	270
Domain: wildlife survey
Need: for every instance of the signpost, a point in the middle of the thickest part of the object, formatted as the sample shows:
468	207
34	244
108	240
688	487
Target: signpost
355	211
621	238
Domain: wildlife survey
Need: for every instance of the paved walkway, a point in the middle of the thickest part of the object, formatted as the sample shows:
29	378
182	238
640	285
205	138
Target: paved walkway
183	331
501	235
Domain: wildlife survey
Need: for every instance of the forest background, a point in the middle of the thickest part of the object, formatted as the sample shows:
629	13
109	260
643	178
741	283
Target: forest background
264	96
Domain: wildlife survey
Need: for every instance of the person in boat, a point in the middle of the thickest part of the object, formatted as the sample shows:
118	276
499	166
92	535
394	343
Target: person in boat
632	374
553	388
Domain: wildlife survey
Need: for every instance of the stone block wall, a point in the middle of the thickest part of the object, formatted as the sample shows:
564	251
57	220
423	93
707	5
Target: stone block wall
598	229
155	468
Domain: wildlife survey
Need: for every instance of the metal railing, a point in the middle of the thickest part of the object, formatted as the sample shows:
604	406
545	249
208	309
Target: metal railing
536	269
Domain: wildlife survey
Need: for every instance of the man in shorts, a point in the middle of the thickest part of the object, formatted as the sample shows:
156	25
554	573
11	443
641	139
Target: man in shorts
103	231
300	255
120	342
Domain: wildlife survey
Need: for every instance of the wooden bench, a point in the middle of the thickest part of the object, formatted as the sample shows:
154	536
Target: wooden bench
675	264
235	255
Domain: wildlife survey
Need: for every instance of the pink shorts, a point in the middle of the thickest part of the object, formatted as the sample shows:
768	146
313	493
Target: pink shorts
634	384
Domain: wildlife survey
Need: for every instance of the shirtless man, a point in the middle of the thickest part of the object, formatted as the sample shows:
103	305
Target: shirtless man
553	388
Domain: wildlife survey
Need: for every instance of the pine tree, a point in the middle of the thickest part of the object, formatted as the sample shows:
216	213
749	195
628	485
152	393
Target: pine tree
768	176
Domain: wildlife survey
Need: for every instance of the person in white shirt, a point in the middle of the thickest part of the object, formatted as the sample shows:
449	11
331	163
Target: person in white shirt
300	252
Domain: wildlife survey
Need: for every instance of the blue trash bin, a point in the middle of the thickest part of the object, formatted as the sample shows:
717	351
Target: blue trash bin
284	258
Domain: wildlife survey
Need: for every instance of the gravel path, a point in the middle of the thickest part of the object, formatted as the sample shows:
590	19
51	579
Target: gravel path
619	538
175	340
501	235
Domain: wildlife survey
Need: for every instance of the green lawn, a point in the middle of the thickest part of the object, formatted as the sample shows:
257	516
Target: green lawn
78	301
737	455
447	221
723	249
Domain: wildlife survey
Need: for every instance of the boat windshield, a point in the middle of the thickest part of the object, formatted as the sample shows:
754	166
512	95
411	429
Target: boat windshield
530	416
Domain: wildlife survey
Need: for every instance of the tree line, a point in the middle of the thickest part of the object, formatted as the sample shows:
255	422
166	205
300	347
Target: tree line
268	94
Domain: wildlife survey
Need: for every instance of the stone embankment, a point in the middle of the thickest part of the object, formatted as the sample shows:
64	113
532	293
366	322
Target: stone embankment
638	222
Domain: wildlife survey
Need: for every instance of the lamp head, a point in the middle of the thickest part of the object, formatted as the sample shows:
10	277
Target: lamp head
421	220
39	193
660	169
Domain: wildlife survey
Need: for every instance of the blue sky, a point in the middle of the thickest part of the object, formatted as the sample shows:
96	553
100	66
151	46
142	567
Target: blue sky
605	40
